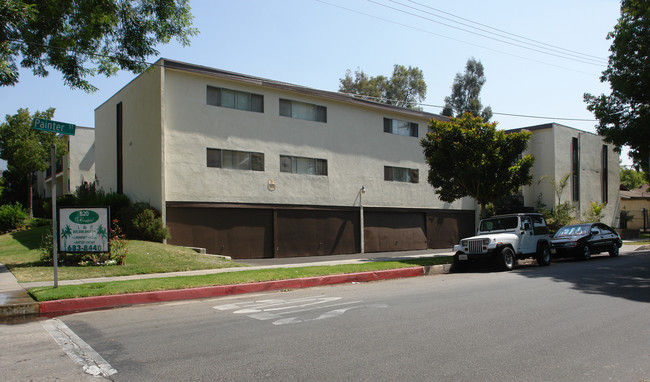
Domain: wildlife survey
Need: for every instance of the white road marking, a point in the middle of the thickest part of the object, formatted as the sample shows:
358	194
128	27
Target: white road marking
279	309
77	349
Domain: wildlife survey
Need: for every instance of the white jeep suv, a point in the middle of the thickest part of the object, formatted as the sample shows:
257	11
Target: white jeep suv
506	239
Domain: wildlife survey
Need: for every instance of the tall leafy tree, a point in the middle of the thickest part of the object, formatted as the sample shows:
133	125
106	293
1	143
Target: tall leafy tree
465	93
631	178
624	115
83	38
405	88
470	157
27	150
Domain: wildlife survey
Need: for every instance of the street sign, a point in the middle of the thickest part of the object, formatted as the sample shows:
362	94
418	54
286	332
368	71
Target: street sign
53	126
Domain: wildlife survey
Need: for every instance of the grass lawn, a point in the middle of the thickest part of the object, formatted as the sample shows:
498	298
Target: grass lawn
19	252
240	277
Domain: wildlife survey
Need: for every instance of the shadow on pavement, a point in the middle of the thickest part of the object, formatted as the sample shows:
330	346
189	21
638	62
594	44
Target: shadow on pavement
626	276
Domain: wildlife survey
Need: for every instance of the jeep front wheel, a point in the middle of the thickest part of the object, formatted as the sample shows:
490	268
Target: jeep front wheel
507	258
544	255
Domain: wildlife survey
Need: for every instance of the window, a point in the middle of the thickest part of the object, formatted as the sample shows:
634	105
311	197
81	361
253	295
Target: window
401	174
604	169
575	167
120	150
302	110
396	126
237	160
235	99
300	165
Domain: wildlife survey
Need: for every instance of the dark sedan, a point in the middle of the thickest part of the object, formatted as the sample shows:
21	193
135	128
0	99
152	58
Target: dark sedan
583	240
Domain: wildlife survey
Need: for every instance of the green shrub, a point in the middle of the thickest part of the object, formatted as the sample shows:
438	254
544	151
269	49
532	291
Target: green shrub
139	221
148	225
37	222
47	254
595	213
12	216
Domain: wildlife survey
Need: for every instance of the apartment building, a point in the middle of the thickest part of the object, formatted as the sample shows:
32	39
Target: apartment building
592	164
250	167
75	168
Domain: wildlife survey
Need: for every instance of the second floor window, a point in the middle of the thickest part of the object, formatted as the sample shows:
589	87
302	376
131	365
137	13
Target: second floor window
401	174
300	165
235	99
302	110
399	127
237	160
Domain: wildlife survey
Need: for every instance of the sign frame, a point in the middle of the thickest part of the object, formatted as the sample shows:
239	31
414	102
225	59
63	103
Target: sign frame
84	229
53	126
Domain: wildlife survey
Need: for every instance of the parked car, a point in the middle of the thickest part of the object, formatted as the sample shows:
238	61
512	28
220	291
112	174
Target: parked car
583	240
506	239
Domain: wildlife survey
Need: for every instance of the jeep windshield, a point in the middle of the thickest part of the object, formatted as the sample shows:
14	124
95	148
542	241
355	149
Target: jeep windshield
499	224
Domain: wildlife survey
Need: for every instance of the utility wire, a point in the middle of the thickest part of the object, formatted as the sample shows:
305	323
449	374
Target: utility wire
505	34
481	35
455	39
395	101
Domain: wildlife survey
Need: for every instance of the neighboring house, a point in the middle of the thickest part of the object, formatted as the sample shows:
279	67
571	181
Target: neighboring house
593	164
250	167
636	202
75	168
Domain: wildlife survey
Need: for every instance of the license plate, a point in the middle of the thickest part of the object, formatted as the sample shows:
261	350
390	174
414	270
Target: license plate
553	251
462	257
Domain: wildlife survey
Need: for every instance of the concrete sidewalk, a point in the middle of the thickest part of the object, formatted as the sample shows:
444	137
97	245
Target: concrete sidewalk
15	302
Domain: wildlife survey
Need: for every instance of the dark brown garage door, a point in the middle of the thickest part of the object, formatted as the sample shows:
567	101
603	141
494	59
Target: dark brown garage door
236	232
394	231
316	232
446	228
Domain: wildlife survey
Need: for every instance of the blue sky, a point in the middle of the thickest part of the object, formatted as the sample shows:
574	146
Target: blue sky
313	42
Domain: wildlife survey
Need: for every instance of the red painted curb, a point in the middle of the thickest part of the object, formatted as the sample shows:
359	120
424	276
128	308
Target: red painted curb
100	302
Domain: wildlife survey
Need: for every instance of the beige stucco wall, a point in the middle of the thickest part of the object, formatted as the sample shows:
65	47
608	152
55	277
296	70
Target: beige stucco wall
635	208
142	139
80	159
352	141
541	147
551	148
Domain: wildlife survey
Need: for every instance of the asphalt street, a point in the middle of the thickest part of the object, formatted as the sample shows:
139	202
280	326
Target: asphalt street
572	321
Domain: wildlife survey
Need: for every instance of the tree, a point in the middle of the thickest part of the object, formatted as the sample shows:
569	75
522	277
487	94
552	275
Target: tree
406	87
631	179
465	93
624	115
470	157
67	35
27	150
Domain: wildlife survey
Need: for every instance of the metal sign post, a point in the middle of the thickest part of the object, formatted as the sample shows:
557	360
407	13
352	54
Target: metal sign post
56	128
55	251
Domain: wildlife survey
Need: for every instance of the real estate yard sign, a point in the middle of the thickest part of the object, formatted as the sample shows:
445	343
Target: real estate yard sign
83	229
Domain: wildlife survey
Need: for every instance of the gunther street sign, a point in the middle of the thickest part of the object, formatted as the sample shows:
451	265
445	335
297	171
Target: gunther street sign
53	126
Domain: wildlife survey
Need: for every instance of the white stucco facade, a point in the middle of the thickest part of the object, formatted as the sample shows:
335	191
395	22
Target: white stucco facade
552	145
168	126
78	165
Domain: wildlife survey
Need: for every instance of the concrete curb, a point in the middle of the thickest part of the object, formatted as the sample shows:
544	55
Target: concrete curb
103	302
19	309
